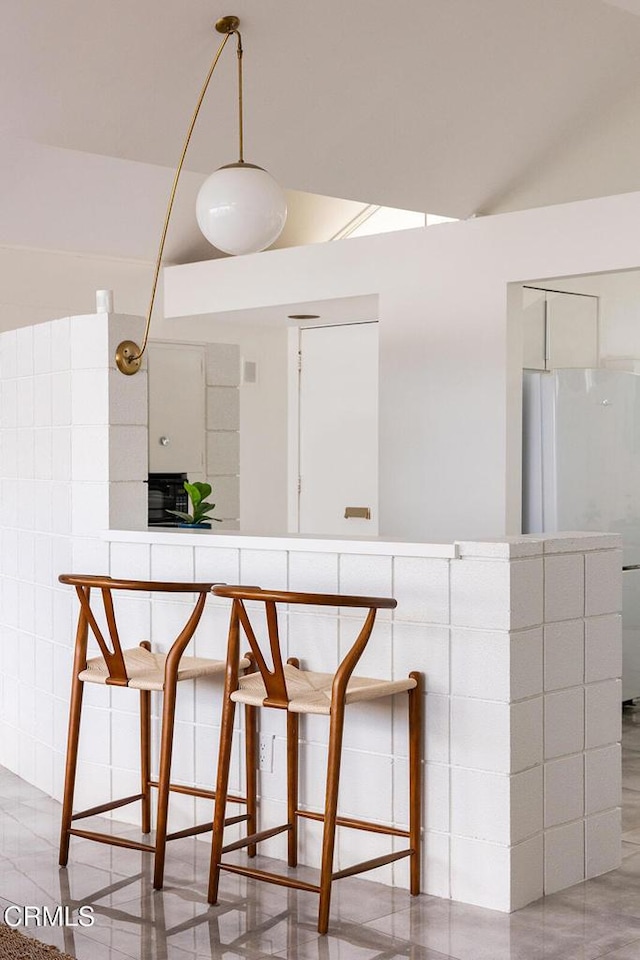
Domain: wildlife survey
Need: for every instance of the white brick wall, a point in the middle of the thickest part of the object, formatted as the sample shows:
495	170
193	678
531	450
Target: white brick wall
72	462
563	729
519	641
522	767
223	431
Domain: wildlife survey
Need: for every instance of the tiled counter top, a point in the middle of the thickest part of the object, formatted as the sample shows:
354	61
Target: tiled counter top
520	643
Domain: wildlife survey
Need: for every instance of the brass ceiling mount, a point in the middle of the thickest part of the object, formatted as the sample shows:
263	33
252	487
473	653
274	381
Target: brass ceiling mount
227	24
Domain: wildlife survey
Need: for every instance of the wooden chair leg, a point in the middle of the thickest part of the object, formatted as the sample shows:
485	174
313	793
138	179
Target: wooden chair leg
293	747
145	752
73	737
293	733
222	785
251	778
415	698
164	779
330	813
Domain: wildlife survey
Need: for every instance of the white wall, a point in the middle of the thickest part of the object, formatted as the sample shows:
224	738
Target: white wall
620	314
40	285
73	434
619	308
450	444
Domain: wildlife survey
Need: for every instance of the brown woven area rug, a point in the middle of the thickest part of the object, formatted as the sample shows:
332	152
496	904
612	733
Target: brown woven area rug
16	946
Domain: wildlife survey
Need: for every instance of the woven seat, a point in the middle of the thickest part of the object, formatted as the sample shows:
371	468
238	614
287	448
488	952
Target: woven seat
311	692
145	670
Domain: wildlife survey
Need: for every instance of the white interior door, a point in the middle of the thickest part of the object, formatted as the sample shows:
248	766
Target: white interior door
339	429
177	409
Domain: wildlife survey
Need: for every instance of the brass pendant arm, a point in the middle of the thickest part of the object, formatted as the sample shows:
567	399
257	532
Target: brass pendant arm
240	119
128	354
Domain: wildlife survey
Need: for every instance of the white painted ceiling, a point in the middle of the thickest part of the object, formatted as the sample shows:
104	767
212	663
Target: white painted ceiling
447	106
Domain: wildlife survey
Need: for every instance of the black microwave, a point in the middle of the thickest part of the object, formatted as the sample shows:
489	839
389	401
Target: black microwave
166	492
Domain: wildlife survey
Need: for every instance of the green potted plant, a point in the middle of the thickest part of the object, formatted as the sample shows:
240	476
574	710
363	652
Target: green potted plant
197	493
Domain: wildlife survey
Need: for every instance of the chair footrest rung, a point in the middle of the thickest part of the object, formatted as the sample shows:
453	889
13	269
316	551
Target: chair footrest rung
104	807
190	831
256	838
112	840
370	864
270	877
242	818
355	824
198	792
204	828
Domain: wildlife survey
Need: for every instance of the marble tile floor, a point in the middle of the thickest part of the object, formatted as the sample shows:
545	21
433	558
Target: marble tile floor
593	920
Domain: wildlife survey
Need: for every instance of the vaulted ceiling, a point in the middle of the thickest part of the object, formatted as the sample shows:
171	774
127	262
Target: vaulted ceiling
456	107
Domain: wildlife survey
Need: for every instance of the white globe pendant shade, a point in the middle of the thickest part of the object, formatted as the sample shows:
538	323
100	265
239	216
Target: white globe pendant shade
241	209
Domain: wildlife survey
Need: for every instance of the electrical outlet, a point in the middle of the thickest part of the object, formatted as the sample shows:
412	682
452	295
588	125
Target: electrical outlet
265	752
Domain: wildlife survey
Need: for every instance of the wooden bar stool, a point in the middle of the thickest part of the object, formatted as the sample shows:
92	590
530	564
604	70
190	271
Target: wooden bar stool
141	670
287	687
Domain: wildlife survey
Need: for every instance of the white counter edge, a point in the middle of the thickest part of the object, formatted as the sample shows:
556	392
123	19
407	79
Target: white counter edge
298	542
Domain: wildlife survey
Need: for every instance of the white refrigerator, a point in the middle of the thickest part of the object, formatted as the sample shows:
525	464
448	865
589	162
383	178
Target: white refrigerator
581	471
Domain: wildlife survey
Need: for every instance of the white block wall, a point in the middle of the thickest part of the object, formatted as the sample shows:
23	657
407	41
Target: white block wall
519	641
536	652
520	644
223	431
72	462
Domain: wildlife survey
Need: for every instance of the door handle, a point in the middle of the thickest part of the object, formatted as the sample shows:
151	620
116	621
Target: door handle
364	513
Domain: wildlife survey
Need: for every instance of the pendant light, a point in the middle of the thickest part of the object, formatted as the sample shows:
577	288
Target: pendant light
240	208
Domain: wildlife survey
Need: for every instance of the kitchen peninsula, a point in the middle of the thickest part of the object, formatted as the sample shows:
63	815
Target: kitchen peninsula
519	640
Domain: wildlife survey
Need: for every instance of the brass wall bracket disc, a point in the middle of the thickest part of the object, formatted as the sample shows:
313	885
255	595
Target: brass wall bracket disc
227	24
128	359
